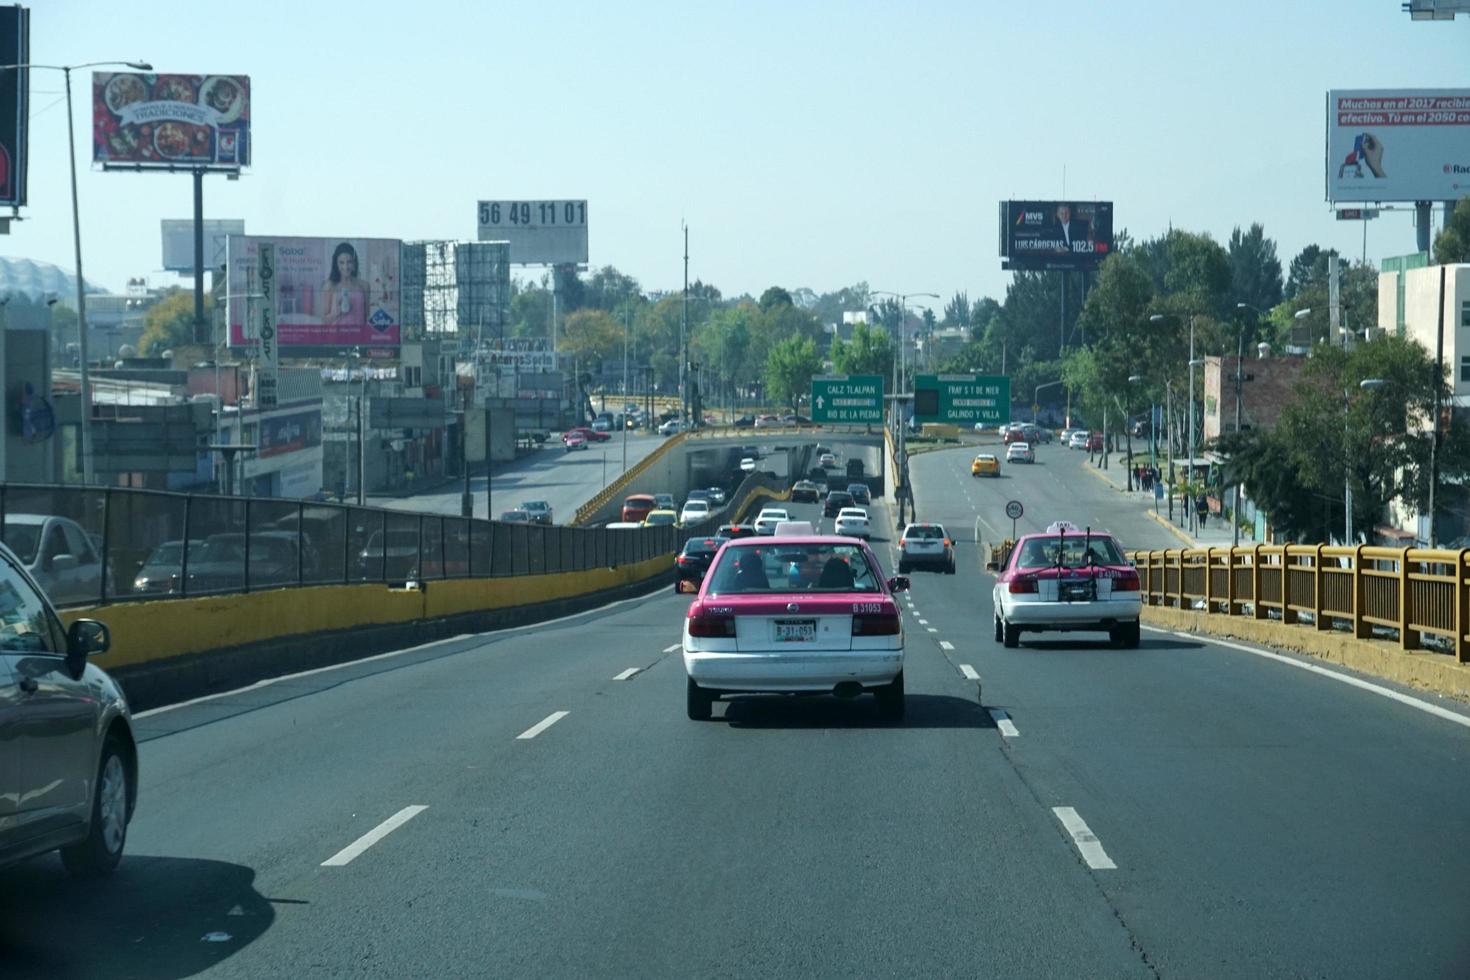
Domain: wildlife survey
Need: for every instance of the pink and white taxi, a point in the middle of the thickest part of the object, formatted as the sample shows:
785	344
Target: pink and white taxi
1067	579
795	613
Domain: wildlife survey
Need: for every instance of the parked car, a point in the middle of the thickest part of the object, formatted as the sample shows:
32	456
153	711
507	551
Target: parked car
806	491
1067	579
860	493
59	555
539	510
836	500
800	614
926	545
69	781
693	560
636	506
985	464
852	522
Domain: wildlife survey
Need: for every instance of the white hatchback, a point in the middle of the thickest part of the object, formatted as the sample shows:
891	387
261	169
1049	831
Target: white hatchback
694	511
852	522
769	517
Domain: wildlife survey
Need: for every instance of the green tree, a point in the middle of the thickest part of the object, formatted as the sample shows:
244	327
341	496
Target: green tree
773	297
608	289
789	369
957	311
168	323
1199	271
1303	269
1255	271
530	310
592	337
848	299
870	351
1453	243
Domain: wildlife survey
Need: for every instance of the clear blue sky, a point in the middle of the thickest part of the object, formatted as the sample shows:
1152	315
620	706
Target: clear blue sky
806	144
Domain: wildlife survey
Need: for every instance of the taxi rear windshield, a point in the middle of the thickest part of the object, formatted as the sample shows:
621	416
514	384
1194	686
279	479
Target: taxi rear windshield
816	568
1069	551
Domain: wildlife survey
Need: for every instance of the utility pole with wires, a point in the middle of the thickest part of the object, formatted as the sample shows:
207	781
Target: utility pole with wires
684	334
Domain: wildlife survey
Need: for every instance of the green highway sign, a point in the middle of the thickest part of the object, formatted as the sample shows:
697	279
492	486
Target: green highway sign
962	399
844	398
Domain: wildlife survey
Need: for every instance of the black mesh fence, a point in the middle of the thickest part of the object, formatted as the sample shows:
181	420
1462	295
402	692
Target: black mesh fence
87	546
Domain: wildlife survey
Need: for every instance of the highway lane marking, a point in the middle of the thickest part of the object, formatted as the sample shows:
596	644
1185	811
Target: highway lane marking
542	725
346	855
627	673
1389	693
672	647
933	629
946	645
1004	723
270	681
1087	843
923	622
969	672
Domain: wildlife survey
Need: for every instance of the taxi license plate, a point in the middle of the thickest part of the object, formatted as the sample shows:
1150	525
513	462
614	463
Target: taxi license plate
796	630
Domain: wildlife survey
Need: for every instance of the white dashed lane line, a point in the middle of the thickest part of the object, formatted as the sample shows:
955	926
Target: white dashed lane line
946	645
625	675
351	851
932	629
542	725
969	672
1004	723
1087	843
672	647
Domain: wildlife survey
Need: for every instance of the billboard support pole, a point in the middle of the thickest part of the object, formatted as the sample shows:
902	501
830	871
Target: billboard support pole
1422	225
201	332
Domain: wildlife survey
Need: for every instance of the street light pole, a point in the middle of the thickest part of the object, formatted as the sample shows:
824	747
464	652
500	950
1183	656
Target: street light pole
1367	384
88	464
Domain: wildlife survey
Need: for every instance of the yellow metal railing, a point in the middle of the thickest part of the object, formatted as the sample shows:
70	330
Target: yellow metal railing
617	486
1413	591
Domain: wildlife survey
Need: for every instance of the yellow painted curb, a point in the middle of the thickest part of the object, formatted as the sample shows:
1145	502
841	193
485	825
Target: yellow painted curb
1425	670
1182	535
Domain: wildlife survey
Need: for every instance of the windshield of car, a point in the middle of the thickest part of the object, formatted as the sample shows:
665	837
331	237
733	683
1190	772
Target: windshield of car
839	497
852	513
1069	551
830	567
23	539
661	517
702	547
773	515
924	532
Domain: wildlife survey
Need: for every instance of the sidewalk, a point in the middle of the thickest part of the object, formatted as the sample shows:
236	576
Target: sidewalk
1216	533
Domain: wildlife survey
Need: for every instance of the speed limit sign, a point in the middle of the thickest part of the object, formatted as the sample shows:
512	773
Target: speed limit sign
1014	510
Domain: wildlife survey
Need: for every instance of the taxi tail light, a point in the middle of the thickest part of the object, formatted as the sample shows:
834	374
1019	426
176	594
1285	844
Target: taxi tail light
1126	582
681	560
876	624
1023	585
948	543
706	624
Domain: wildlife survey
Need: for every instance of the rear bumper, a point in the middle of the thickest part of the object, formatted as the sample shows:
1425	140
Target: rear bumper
785	672
1053	615
940	558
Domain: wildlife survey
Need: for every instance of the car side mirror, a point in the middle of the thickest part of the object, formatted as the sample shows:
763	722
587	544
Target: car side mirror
88	638
899	583
687	586
63	563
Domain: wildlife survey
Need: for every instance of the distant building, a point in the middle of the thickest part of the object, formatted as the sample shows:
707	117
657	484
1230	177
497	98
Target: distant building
1269	384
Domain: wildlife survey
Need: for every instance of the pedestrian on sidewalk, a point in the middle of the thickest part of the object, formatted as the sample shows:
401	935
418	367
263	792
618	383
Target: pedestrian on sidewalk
1202	510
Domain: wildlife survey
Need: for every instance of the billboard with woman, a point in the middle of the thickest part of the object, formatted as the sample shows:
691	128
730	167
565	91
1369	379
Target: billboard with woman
331	293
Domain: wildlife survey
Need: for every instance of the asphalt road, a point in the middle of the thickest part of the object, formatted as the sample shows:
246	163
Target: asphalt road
566	480
1262	821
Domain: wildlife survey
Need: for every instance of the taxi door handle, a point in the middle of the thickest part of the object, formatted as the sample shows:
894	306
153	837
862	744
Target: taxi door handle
29	685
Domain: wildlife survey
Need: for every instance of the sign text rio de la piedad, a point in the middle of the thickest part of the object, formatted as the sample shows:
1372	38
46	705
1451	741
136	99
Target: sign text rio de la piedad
847	399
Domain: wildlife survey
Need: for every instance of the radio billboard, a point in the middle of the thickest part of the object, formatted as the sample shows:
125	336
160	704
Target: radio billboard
1398	144
170	122
15	49
1055	234
539	232
330	293
178	243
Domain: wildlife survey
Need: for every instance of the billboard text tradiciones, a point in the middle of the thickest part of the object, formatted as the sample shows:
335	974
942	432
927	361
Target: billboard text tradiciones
330	293
15	49
167	122
1055	234
1398	144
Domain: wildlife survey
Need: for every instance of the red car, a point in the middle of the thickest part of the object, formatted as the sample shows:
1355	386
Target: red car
1095	442
574	440
591	435
636	507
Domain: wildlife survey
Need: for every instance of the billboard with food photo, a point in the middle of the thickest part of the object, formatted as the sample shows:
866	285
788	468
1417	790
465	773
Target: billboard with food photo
331	293
149	121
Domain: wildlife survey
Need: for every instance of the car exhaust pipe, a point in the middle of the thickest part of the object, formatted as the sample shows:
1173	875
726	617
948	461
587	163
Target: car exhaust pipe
848	689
